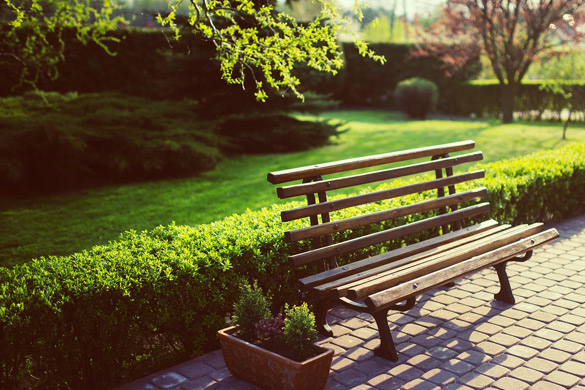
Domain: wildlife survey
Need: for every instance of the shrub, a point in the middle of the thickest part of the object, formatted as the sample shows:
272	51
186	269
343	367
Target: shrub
85	140
300	331
416	97
154	298
273	133
250	309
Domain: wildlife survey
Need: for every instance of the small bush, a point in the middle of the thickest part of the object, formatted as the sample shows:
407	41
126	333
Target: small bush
273	133
150	299
251	308
300	331
416	97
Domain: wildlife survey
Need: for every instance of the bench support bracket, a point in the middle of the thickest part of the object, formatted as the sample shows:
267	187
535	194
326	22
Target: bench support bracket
387	349
321	310
505	294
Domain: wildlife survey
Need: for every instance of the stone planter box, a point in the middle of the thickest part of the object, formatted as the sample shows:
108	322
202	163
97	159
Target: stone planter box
271	371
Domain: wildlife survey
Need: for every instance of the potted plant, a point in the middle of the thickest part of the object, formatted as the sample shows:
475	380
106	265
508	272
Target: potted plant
274	353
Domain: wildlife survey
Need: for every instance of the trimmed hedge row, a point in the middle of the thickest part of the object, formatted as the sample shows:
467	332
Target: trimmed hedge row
150	64
484	99
153	298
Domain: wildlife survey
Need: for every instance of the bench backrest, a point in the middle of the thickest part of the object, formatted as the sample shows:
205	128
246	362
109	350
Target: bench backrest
447	215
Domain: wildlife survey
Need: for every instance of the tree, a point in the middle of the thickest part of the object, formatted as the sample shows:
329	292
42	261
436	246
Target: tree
252	39
511	33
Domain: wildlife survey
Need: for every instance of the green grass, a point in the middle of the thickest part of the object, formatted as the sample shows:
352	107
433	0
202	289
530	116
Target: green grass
69	223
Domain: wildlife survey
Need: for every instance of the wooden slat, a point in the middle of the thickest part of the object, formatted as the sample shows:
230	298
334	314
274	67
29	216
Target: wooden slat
371	177
380	216
342	285
483	228
363	162
393	295
418	268
352	201
387	235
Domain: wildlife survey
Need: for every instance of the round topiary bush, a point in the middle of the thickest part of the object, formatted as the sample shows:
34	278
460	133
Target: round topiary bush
416	97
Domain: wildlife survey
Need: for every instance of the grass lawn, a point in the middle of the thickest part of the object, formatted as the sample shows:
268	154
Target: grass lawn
65	224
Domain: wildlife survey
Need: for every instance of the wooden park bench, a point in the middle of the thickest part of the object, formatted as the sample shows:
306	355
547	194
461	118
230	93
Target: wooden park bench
391	280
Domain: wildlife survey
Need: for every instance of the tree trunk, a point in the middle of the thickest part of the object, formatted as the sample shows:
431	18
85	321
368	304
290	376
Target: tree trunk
567	124
508	98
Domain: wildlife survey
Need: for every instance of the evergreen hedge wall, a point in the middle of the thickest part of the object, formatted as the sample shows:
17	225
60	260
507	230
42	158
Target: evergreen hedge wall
483	98
152	298
149	63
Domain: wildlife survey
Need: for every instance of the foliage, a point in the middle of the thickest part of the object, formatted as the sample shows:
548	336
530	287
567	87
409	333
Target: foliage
32	32
361	83
300	331
416	97
71	222
512	33
83	140
124	309
273	133
250	39
250	309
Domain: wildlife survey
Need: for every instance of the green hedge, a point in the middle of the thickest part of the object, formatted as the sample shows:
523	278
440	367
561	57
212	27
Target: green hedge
483	98
150	64
125	309
84	140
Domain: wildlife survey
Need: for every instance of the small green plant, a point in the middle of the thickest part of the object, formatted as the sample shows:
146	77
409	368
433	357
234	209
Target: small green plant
251	308
299	331
292	335
416	97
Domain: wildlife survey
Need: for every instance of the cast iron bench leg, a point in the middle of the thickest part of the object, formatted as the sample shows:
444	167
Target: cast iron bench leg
505	293
387	349
321	318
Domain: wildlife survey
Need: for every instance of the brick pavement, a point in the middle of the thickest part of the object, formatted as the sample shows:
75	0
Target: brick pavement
456	338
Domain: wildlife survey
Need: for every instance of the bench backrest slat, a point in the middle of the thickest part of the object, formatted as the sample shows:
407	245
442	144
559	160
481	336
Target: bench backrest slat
386	235
358	200
288	175
381	216
371	177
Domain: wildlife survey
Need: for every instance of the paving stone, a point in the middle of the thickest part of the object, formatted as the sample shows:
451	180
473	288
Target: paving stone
476	380
555	355
365	333
457	366
542	365
440	377
458	345
568	346
351	378
405	372
419	384
355	323
508	383
574	368
424	362
386	382
563	378
527	375
359	354
475	356
549	334
522	351
341	363
374	367
199	384
536	343
168	380
503	339
442	353
508	360
194	370
347	341
544	385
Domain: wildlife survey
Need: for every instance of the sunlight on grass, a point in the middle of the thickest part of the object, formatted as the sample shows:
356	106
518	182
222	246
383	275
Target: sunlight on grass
65	224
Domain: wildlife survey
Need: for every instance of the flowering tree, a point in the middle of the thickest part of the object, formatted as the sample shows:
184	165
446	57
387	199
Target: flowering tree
252	39
511	33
